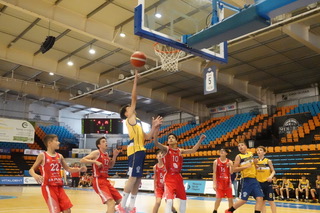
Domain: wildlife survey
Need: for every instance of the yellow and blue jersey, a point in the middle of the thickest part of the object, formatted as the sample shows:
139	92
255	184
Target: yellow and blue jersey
244	160
263	170
136	136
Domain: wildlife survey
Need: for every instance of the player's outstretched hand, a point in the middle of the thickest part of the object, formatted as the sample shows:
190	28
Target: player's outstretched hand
116	152
202	137
156	122
83	169
38	178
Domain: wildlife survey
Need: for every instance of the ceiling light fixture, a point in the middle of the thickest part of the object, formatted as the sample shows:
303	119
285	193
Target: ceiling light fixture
70	63
91	50
122	34
157	14
51	73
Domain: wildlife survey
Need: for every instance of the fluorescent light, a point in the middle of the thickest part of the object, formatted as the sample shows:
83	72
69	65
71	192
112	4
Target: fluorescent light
158	15
51	73
122	35
70	63
92	51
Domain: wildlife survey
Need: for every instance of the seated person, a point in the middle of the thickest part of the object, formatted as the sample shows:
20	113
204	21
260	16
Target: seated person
303	188
84	182
316	192
276	186
287	186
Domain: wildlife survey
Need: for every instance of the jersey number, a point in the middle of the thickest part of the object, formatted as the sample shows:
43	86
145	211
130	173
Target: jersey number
222	169
54	167
175	159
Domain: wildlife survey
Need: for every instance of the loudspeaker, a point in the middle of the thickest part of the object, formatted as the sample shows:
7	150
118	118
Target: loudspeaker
47	44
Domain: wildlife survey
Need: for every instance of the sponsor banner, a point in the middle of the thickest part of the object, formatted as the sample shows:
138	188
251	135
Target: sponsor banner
208	189
4	151
194	186
19	131
32	151
11	180
286	124
147	184
81	151
210	80
297	94
224	108
29	180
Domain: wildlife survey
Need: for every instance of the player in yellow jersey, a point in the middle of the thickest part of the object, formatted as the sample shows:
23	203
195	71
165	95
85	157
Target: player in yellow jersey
303	186
316	191
286	186
136	151
265	173
244	162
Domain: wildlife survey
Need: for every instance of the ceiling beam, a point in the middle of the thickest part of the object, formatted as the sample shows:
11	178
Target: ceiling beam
24	32
99	8
302	34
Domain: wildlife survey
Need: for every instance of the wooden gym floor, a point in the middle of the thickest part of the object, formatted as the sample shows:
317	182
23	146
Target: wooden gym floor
28	199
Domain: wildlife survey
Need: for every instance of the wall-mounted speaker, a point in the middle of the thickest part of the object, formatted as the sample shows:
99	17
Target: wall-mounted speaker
47	44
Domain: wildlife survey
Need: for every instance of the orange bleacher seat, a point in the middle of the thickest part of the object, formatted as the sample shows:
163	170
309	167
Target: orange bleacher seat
277	149
318	145
283	148
289	138
297	148
283	140
312	147
304	147
290	148
270	149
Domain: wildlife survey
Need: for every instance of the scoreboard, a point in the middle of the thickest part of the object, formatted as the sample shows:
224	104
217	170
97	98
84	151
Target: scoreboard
102	126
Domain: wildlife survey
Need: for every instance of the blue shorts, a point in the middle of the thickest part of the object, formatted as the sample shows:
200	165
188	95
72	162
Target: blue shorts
267	191
136	161
250	187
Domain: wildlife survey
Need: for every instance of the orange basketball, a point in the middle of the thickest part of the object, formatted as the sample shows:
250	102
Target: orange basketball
138	59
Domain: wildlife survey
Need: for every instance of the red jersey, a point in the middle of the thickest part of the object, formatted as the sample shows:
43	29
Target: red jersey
50	170
223	175
75	174
103	170
159	174
173	161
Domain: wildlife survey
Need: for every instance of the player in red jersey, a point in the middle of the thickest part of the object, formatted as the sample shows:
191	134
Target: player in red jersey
50	163
222	170
101	164
159	171
173	162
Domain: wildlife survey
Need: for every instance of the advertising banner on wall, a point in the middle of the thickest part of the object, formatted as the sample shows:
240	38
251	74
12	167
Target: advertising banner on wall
297	94
19	131
11	180
286	124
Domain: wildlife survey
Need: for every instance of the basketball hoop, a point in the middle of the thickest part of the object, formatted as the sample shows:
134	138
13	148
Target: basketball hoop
169	56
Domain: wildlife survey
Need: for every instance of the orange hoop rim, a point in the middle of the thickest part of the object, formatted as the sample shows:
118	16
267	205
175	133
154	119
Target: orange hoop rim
166	52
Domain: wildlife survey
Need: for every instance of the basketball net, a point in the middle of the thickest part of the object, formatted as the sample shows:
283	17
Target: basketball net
169	57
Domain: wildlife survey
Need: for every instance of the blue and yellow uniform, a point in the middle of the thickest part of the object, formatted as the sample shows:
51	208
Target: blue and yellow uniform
263	172
136	151
250	186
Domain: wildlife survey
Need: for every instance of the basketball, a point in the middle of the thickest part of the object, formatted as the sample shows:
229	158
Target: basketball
138	59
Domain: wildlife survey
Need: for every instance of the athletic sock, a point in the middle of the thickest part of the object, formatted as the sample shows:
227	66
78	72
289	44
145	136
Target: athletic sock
183	206
168	208
132	201
124	199
256	211
231	209
214	211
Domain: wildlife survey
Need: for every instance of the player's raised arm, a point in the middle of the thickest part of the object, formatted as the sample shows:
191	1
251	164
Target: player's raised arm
91	158
131	110
156	123
195	147
35	166
156	142
114	158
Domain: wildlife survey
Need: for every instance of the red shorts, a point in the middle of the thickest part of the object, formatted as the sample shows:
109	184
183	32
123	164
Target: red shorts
56	198
105	190
159	191
173	187
222	193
